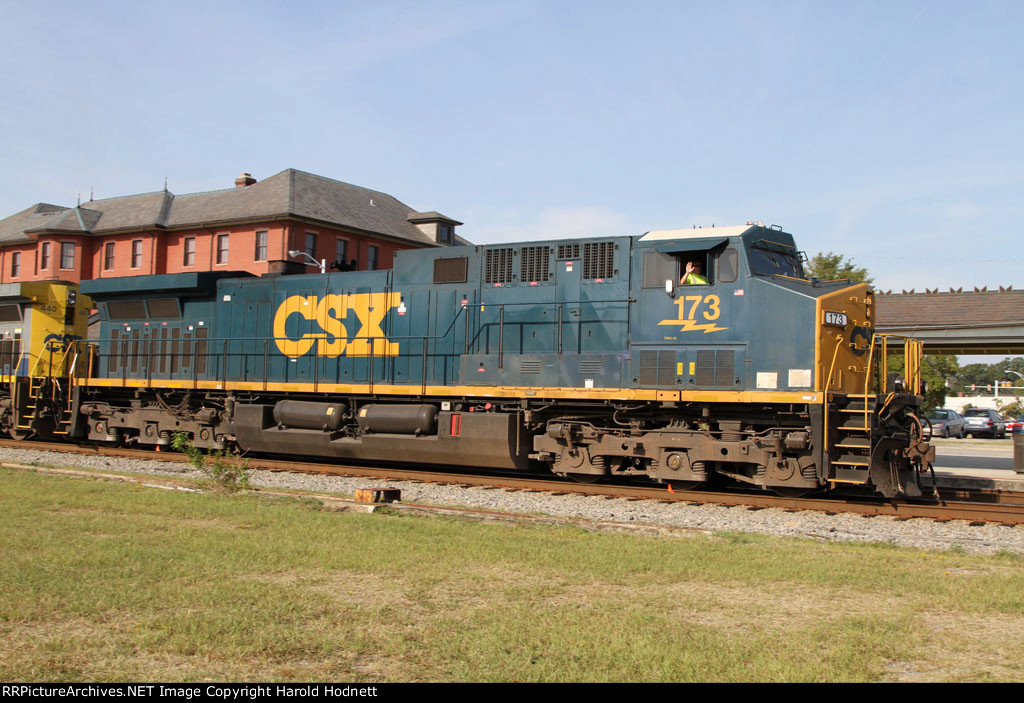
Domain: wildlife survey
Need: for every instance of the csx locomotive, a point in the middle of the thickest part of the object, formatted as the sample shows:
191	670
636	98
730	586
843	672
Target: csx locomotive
588	357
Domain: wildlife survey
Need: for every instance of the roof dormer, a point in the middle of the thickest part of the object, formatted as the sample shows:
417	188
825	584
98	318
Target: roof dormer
439	228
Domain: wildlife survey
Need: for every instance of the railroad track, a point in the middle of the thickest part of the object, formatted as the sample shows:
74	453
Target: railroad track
978	506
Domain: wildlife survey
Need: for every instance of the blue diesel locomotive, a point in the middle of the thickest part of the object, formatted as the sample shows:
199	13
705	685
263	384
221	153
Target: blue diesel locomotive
589	357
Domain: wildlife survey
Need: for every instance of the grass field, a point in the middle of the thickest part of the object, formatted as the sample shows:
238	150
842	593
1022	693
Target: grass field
107	581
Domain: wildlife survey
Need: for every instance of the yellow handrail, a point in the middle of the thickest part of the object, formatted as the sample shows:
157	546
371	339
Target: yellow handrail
828	383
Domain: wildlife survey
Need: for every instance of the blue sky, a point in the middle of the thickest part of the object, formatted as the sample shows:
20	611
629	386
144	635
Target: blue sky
887	131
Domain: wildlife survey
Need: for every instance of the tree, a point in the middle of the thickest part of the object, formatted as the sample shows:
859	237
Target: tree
936	370
983	376
827	266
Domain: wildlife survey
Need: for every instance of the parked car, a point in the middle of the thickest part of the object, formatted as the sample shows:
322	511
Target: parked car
984	421
944	423
1015	426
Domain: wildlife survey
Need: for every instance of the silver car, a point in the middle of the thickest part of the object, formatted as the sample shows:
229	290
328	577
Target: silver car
983	421
945	423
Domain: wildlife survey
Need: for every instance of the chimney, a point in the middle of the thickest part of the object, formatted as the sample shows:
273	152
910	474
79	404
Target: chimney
244	180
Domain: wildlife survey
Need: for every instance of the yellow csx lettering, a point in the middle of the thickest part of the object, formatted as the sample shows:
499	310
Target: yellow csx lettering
328	313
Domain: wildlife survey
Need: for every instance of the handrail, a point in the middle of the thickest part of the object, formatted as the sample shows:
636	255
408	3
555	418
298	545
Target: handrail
828	383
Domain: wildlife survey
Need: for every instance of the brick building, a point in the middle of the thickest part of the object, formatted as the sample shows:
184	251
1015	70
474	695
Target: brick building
251	227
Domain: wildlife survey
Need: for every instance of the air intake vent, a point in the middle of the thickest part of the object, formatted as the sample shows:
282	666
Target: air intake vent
591	367
599	260
568	251
657	368
529	366
716	368
534	263
450	270
498	266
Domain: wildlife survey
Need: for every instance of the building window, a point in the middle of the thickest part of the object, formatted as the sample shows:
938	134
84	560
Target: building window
136	253
15	264
108	256
67	255
190	251
311	244
261	246
444	233
44	256
222	248
371	257
341	251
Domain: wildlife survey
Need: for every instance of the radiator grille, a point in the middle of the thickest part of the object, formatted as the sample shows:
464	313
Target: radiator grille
534	263
498	266
599	260
568	251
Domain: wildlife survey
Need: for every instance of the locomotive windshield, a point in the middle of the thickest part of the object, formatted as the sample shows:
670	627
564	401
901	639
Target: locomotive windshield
769	258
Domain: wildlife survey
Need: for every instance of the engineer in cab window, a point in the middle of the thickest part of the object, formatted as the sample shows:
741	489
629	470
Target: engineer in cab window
693	275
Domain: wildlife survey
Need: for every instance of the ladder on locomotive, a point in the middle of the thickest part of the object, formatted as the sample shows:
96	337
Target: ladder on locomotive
45	391
855	428
855	437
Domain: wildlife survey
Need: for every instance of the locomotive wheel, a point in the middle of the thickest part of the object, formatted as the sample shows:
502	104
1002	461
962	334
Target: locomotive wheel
583	478
793	491
18	435
685	485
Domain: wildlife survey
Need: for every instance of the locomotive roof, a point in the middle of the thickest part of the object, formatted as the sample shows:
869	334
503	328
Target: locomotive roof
731	231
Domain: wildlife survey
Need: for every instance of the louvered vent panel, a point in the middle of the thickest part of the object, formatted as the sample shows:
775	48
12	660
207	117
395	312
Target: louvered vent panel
725	367
657	368
599	260
534	263
450	270
716	367
592	367
648	368
498	266
666	368
705	368
529	366
568	251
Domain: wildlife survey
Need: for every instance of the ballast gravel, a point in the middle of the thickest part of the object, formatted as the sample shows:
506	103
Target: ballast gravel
848	527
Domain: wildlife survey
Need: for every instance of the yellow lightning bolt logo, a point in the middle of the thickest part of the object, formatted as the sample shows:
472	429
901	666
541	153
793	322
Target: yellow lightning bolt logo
692	326
688	306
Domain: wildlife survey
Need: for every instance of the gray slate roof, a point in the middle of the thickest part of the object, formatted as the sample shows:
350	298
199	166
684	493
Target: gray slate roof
288	193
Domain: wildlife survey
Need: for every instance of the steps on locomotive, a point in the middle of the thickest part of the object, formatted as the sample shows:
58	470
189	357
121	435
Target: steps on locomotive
855	438
31	407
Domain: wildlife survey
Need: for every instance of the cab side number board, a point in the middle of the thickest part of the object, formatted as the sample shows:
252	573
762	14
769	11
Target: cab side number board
836	318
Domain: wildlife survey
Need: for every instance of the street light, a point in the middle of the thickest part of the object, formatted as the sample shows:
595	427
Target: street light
322	263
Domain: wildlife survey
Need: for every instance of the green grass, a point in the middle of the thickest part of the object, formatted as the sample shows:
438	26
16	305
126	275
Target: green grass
107	581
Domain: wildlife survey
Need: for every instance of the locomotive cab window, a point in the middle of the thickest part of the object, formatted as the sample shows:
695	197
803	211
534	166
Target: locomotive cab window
661	268
768	258
728	266
694	269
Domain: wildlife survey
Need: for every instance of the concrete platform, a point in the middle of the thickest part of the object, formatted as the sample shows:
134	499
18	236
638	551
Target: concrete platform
976	463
